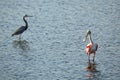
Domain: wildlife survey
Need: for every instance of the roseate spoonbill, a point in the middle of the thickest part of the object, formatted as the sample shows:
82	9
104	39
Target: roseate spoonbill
20	30
91	47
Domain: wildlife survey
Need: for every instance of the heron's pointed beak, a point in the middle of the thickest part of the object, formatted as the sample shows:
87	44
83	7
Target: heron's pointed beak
30	16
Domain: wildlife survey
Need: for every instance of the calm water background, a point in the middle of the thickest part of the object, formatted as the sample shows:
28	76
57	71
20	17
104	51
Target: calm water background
52	47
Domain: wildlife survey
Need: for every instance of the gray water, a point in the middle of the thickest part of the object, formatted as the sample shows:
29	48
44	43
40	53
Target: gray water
52	47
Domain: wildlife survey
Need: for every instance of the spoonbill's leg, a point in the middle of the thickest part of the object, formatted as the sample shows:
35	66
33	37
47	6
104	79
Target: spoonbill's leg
89	57
93	56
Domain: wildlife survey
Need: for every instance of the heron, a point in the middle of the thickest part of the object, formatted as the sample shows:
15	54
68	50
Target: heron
91	47
20	30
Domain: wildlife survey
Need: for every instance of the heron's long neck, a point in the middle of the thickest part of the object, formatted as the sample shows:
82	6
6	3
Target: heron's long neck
26	24
90	39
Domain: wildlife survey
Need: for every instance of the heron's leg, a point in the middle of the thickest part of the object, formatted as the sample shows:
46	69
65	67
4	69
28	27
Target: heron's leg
20	36
93	56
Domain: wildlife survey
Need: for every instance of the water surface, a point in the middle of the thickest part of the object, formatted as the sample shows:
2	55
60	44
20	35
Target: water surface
52	47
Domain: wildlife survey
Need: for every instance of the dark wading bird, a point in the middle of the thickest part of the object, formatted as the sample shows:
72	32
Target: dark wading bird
91	47
20	30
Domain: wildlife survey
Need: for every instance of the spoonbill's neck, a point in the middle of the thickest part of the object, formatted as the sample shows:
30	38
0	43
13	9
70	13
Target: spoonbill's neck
90	39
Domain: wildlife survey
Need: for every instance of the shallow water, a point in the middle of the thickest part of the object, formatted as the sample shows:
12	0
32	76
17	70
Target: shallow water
52	47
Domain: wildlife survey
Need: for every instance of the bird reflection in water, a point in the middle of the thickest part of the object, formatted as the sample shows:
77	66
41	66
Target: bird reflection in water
91	68
22	44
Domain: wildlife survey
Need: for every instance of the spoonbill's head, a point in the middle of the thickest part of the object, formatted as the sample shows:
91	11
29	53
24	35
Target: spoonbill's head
88	33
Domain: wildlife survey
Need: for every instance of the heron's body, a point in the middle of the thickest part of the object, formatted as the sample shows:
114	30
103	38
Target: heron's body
20	30
91	47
